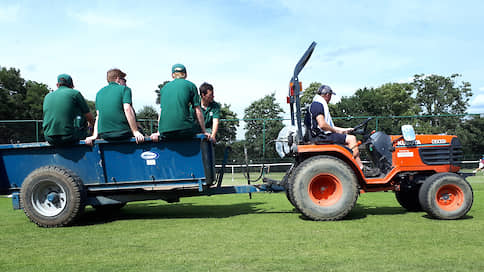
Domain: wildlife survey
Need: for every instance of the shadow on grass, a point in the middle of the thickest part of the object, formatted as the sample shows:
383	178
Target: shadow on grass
362	211
158	210
465	217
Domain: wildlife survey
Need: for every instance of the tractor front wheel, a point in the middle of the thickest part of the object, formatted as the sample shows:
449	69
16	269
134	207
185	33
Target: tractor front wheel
446	196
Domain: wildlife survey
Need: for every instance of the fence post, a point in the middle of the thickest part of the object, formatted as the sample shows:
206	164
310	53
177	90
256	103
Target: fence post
37	130
264	138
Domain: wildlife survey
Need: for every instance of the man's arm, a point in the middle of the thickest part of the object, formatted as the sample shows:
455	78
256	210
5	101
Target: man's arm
155	136
201	120
326	127
214	128
90	140
129	113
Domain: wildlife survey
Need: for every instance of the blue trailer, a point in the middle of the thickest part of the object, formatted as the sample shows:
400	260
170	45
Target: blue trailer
53	184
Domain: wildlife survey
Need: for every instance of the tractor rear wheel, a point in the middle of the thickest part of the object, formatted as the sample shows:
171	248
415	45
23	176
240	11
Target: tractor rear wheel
52	196
324	188
446	196
286	180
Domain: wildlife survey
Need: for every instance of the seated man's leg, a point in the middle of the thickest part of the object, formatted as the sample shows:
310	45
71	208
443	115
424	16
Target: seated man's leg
352	143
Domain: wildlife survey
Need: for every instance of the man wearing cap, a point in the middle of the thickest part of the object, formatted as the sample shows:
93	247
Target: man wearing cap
321	127
65	113
115	118
176	99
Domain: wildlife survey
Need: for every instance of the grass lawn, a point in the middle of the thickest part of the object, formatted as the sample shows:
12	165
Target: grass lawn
234	233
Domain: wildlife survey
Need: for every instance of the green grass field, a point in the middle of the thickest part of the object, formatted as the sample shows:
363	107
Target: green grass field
234	233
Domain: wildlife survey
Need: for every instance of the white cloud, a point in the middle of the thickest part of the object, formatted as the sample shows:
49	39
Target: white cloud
9	13
477	104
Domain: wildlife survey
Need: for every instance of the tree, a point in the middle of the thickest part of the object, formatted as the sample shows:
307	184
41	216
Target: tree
470	136
262	116
148	119
20	99
309	93
34	100
92	107
391	99
438	95
228	128
157	91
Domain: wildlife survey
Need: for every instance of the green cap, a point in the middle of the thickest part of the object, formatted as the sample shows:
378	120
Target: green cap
65	79
178	68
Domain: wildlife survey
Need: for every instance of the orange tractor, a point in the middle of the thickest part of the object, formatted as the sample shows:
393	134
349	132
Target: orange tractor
325	181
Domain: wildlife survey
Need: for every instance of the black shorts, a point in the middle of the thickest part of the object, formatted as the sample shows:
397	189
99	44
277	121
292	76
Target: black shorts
336	138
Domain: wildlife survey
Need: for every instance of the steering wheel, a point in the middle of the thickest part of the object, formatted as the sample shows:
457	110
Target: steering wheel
361	128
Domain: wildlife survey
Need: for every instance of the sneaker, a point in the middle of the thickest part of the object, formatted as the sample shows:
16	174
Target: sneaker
371	172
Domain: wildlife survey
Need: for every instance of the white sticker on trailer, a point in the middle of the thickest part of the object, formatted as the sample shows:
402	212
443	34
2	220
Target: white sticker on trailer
404	154
150	162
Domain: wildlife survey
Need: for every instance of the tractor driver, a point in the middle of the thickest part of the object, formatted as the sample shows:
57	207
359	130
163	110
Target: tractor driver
321	127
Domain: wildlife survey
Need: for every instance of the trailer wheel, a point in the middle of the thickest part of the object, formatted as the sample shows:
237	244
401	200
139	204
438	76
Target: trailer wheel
408	199
446	196
324	188
52	196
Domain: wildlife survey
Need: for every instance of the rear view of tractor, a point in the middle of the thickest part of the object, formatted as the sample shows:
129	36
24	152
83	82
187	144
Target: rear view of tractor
325	181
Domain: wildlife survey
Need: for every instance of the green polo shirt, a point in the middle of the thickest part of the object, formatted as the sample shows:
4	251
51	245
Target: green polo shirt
176	99
63	112
109	104
209	113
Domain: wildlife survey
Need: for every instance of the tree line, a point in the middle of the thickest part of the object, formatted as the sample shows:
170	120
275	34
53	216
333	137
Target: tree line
426	96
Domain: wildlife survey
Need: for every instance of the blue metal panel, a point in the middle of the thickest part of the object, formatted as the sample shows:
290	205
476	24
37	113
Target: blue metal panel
20	160
150	161
122	164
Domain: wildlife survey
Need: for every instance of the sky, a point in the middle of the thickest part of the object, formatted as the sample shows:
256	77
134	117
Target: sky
247	48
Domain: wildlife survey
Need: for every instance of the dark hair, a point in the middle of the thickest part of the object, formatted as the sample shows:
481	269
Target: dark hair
64	82
205	87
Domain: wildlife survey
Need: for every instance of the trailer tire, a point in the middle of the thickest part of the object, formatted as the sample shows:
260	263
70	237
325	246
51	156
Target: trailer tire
409	199
324	188
446	196
52	196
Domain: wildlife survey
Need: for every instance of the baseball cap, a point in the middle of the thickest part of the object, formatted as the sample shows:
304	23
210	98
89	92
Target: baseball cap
178	68
65	79
325	89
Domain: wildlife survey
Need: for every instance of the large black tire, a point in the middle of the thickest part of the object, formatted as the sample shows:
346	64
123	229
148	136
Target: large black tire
446	196
408	199
286	180
324	188
52	196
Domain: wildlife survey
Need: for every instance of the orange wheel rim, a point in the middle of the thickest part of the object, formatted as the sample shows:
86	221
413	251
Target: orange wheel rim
325	189
449	197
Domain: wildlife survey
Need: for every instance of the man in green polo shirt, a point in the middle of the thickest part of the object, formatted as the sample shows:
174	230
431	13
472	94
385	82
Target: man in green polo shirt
176	99
115	116
210	109
65	113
